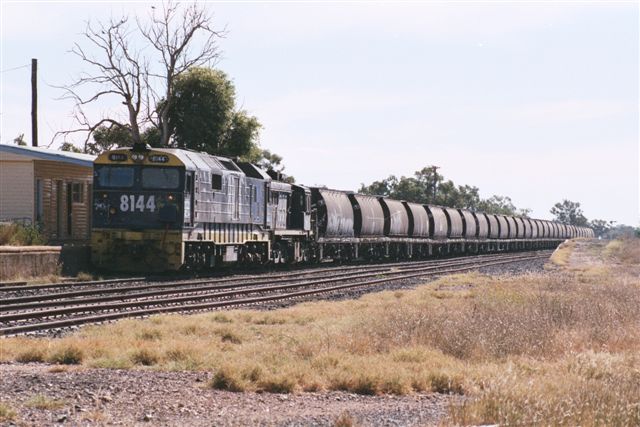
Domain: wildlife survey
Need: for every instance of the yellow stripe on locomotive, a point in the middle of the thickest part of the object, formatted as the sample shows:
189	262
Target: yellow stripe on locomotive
126	156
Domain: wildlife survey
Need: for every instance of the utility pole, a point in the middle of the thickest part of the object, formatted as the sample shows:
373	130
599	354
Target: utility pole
34	102
435	181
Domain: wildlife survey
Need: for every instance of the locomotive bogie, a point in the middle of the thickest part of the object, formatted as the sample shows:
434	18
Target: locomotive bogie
149	250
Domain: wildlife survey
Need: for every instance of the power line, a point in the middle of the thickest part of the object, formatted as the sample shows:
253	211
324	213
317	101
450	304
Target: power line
16	68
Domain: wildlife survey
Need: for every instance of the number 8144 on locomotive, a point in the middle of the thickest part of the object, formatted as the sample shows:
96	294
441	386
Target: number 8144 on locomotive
166	209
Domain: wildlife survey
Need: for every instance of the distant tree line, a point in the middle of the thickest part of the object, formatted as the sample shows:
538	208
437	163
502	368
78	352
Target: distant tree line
568	212
428	186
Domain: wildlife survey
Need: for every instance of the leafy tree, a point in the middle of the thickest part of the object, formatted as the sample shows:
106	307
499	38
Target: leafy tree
113	136
202	116
601	227
568	212
202	109
409	189
241	139
106	138
524	212
269	161
67	146
500	205
428	186
621	231
468	197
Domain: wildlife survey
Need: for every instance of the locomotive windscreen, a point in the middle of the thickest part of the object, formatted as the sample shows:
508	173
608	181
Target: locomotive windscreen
160	178
138	197
114	176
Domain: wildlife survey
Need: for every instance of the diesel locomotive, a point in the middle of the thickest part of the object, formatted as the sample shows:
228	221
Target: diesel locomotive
160	210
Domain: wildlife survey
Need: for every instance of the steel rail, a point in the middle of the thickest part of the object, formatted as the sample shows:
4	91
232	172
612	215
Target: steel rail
19	329
190	290
69	284
299	270
13	303
32	302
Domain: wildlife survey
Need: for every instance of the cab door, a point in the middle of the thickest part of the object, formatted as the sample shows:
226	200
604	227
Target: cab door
188	198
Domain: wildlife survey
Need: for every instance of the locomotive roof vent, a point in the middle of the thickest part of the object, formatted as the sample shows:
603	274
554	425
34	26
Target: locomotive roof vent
140	147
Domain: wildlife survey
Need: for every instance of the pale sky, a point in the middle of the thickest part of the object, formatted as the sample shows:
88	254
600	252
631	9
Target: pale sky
537	101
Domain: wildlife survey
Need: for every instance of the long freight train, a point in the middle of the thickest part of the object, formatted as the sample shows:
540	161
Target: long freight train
167	209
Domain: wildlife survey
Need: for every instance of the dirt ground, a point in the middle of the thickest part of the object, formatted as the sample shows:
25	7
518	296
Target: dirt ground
40	394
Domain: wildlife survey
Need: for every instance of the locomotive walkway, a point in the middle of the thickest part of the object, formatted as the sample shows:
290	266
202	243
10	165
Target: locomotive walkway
58	306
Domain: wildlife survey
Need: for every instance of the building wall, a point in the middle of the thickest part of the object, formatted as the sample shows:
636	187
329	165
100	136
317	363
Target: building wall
16	189
64	218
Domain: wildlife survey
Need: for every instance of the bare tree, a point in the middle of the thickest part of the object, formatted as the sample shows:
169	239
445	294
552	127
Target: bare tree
179	37
117	70
173	35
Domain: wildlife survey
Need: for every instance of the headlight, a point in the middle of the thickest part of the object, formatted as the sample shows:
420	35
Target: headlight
137	157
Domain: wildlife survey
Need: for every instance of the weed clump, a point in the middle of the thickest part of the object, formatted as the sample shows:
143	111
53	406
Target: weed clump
278	384
150	334
344	420
229	379
15	234
40	401
144	357
6	413
70	355
31	355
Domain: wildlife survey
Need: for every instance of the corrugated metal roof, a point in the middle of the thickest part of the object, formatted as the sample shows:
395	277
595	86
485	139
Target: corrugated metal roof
41	153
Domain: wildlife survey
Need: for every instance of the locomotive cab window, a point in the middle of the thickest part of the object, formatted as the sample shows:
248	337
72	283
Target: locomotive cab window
115	176
160	178
216	182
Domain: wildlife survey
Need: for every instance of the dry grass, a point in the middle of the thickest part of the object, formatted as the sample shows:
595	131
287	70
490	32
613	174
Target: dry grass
560	256
20	235
40	401
31	355
555	347
586	389
625	251
344	420
65	355
84	276
6	413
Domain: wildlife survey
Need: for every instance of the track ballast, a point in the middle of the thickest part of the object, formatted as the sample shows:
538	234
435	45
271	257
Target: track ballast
97	303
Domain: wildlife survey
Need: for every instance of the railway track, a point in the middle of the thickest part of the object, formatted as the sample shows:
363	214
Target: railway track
96	303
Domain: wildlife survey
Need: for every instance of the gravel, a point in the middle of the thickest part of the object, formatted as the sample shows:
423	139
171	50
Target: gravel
515	268
139	397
